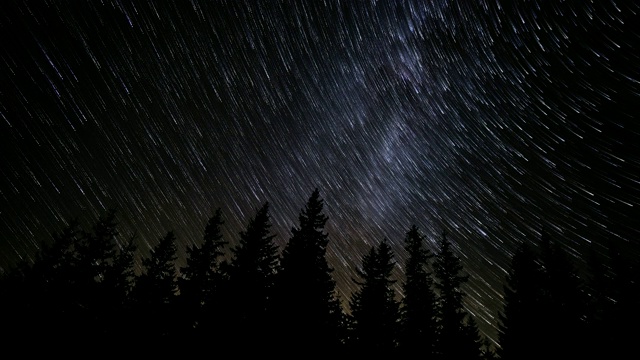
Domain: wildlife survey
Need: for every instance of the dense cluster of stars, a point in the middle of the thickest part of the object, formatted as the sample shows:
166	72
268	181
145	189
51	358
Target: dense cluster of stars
491	120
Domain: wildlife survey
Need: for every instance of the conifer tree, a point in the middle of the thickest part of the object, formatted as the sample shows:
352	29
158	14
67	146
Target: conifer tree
53	271
521	328
561	302
39	295
119	282
454	341
17	298
472	343
120	277
157	284
78	284
418	307
95	259
98	248
305	300
488	350
155	291
252	272
201	279
622	291
374	309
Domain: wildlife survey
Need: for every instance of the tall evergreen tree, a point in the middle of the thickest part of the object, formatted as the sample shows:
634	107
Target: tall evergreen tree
78	284
418	307
95	260
201	279
120	277
98	249
623	291
158	283
472	343
252	272
561	302
305	300
155	291
119	282
454	326
39	295
612	287
374	308
488	349
521	328
543	304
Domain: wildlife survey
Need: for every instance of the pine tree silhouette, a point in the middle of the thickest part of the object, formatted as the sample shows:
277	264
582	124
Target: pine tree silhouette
119	282
544	308
521	327
252	272
613	289
155	293
201	280
374	309
95	257
76	291
454	341
306	306
418	307
38	296
561	302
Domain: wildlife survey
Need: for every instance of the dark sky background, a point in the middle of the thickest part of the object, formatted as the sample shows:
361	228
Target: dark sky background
492	120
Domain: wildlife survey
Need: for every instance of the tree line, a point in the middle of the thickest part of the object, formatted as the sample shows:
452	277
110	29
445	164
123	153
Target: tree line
83	291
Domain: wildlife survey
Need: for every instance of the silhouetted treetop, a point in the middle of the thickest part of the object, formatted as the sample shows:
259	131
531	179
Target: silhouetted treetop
374	309
418	310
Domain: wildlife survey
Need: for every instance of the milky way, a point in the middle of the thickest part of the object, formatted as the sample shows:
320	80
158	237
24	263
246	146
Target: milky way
493	121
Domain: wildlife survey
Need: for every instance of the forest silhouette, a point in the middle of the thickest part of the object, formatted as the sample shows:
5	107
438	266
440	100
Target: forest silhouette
83	291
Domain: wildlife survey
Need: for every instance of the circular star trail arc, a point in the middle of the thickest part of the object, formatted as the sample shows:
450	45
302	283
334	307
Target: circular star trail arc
491	120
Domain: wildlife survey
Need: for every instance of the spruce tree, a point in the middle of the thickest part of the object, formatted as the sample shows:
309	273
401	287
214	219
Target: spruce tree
251	272
77	287
39	295
374	308
488	350
472	343
418	307
521	326
454	341
201	280
562	305
158	283
98	248
305	301
155	291
120	277
119	282
95	258
623	292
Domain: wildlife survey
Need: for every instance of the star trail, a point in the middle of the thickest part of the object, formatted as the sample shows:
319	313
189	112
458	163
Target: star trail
492	120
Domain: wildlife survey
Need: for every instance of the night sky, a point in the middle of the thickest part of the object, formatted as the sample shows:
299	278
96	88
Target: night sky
492	120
